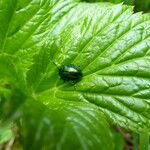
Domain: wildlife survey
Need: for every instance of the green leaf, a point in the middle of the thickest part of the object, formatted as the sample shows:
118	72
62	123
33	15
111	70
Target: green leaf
142	6
64	125
118	140
12	86
11	71
5	134
108	42
144	141
10	101
115	65
128	2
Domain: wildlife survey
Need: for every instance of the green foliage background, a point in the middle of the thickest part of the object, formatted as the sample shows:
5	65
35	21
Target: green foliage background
140	5
111	46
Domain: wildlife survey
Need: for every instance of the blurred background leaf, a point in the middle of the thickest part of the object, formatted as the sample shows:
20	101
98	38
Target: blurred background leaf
112	1
5	134
118	140
140	5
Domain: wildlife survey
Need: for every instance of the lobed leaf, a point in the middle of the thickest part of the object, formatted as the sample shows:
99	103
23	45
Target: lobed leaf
111	46
108	42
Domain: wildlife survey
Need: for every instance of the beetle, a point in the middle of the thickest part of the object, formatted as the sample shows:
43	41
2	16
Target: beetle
70	73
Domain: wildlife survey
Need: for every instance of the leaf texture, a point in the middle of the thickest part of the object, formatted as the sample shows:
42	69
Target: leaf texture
64	125
108	42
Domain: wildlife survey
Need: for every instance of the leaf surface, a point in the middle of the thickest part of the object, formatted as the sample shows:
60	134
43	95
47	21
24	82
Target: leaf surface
108	42
64	125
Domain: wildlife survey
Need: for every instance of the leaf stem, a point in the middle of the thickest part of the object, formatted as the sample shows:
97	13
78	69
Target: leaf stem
135	141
